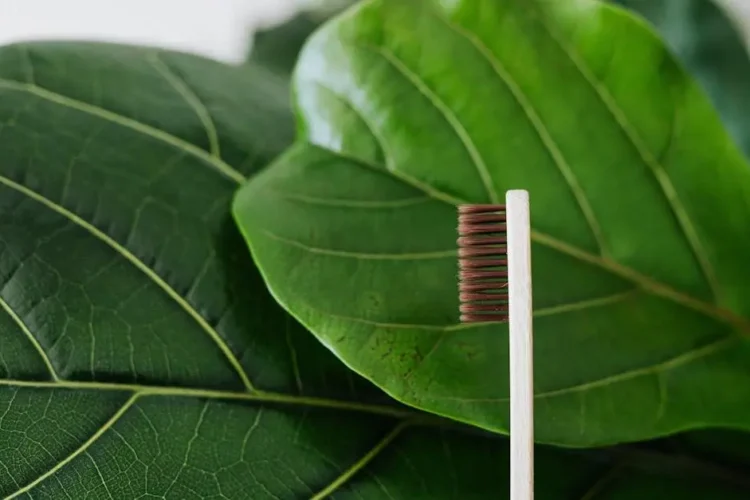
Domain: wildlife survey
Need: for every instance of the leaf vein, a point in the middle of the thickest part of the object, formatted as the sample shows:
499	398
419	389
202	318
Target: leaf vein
34	341
347	103
293	355
99	473
544	311
448	115
214	394
675	362
79	451
655	369
191	98
139	127
390	164
438	254
150	273
603	482
188	448
362	462
346	203
648	157
548	142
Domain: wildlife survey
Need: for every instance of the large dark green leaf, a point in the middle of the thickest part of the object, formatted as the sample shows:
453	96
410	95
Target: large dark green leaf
277	48
140	353
704	38
640	210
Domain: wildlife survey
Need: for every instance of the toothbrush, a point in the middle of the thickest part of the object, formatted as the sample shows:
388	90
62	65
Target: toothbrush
495	286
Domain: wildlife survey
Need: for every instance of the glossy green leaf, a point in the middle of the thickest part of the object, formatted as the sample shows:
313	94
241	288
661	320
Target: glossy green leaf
640	210
706	40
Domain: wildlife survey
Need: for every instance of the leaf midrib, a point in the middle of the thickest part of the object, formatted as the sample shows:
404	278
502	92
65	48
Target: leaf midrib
143	391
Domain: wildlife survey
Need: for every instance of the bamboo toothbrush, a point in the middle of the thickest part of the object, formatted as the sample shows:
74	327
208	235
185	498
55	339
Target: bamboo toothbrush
495	286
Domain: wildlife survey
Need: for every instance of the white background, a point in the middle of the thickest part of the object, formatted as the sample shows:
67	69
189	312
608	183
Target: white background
215	28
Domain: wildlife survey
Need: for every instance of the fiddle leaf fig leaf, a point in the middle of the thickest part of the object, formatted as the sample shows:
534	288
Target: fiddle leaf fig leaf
640	204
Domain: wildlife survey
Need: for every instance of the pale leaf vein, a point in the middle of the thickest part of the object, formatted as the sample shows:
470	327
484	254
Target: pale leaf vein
648	157
124	121
150	273
362	462
79	451
192	99
32	339
548	142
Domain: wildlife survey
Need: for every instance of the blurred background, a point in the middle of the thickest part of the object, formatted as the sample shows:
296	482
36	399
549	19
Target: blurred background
222	29
710	37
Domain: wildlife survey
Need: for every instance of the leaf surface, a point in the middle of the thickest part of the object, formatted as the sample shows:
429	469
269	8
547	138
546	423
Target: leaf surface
141	354
639	214
278	47
709	43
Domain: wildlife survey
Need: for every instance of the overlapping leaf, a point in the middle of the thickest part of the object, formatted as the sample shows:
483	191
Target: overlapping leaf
640	209
707	41
140	354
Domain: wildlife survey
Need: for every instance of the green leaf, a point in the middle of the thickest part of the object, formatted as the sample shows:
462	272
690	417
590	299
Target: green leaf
278	47
140	352
639	211
134	324
706	40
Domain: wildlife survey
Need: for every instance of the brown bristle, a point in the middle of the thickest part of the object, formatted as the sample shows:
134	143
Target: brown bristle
482	264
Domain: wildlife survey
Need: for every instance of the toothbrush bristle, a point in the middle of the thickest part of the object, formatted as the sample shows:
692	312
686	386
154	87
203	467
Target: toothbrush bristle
482	263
